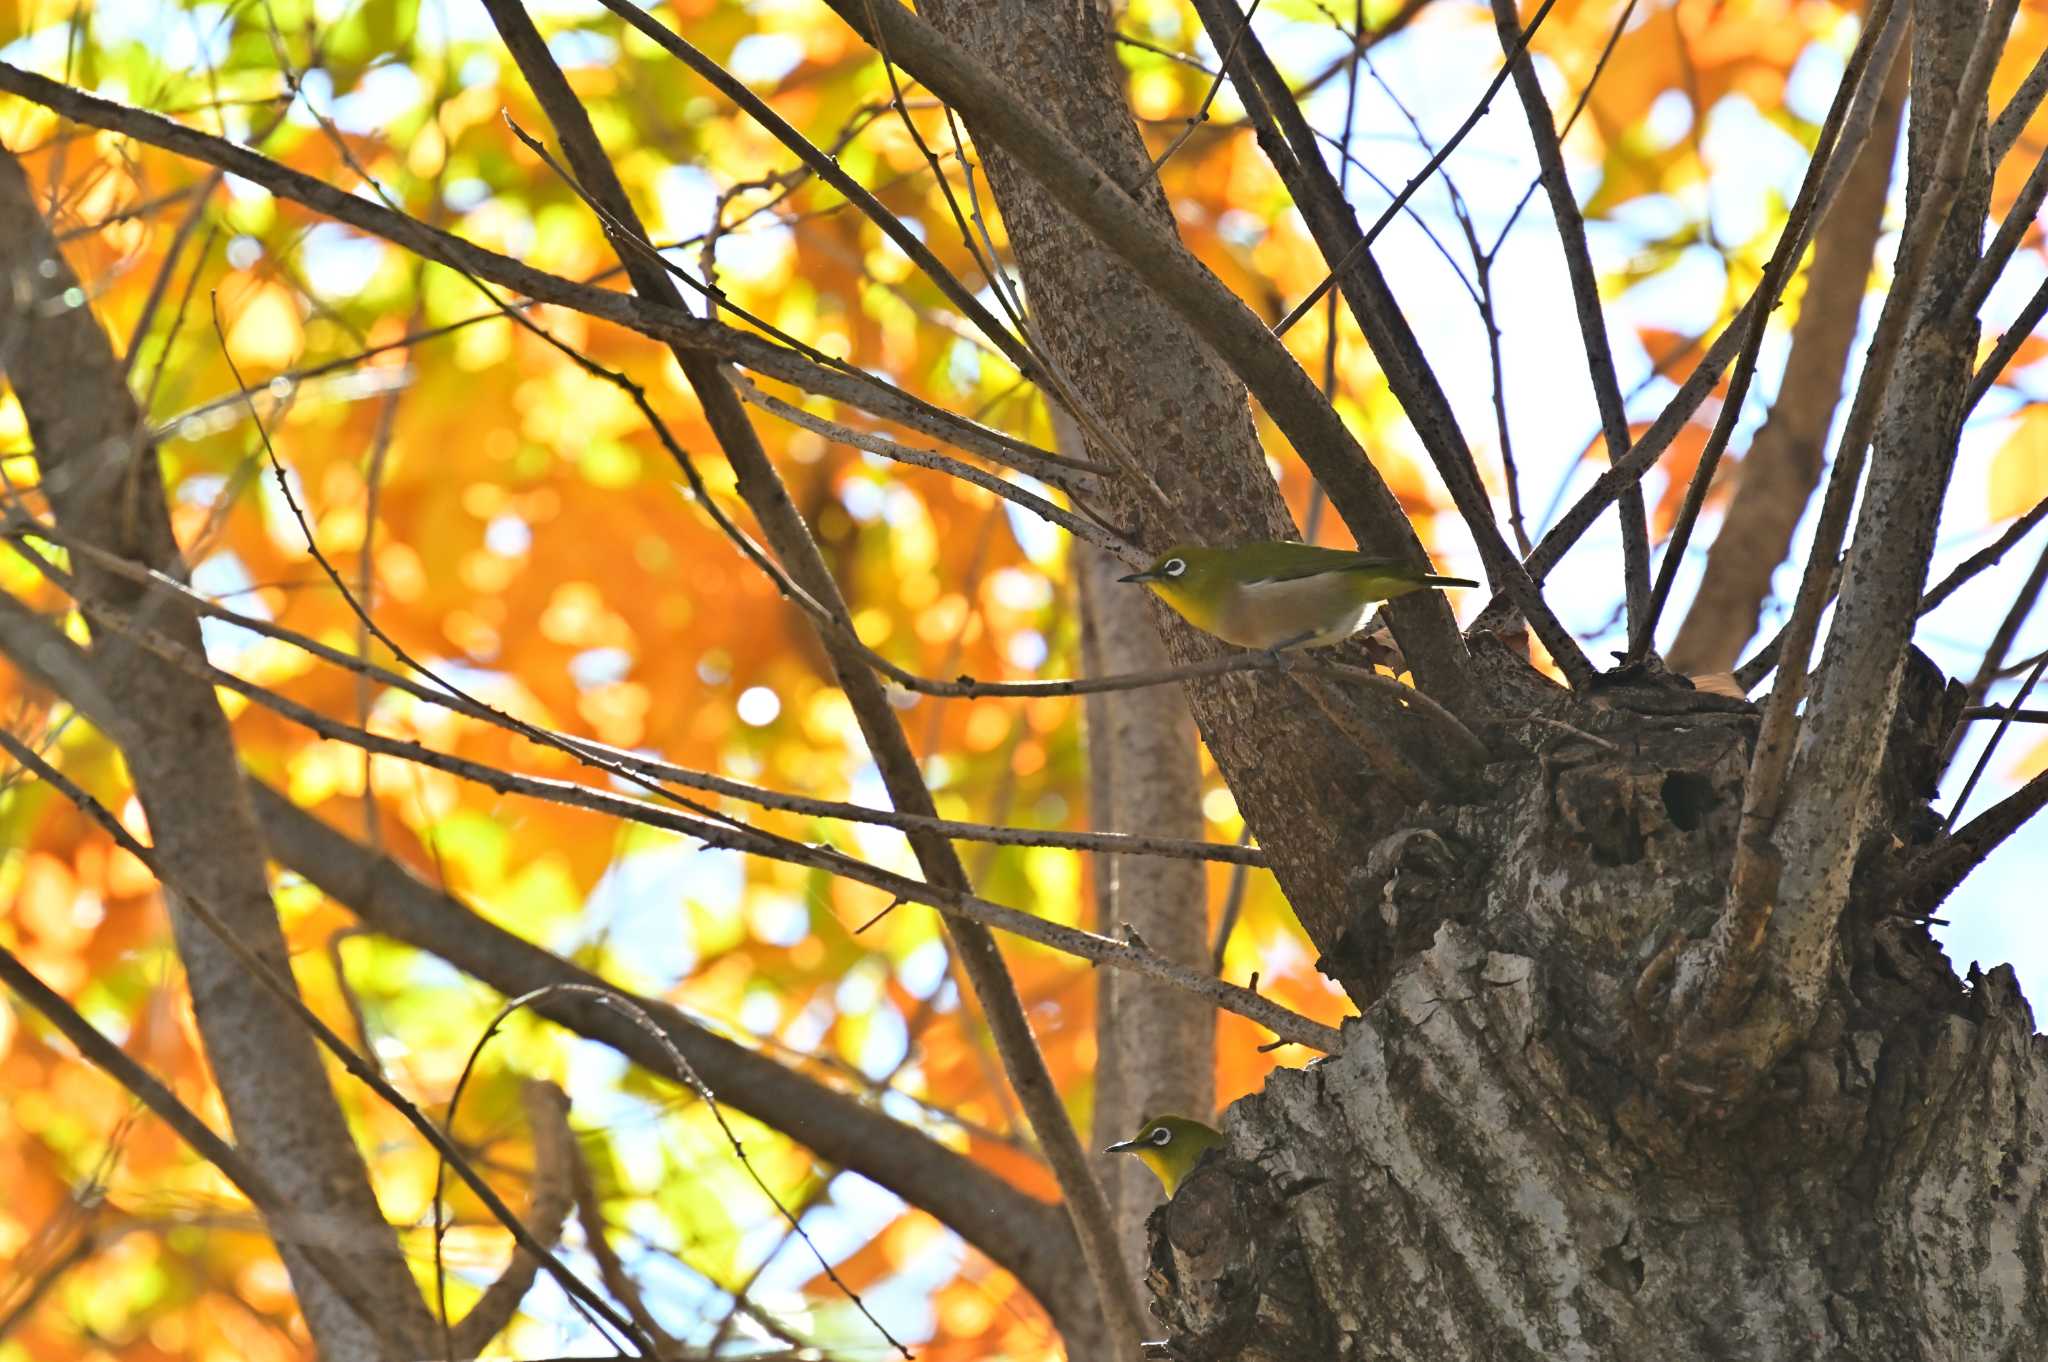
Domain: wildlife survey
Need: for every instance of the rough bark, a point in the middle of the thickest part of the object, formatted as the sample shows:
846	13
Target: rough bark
1134	362
1776	478
1825	820
1157	1043
99	471
1484	1172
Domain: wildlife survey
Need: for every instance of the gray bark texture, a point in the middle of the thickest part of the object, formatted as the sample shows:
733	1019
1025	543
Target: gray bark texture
100	474
1825	823
1482	1173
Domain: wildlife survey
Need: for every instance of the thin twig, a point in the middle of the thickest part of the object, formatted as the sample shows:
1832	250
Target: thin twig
187	1124
2019	111
1871	60
1934	875
1421	177
1578	259
2018	221
1200	115
1987	671
1655	441
1765	658
2017	334
819	374
1291	146
720	831
924	458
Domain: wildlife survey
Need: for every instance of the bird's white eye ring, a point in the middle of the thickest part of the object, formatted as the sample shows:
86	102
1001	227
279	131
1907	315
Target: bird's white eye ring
1162	1136
1173	567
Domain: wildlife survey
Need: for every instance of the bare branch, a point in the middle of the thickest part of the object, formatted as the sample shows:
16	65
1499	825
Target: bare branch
1016	1231
1870	62
1014	349
1766	658
100	472
277	986
110	1059
1578	260
1854	710
1421	177
2023	326
2019	219
920	458
1988	671
2018	111
1779	473
1656	440
722	831
1935	875
597	1241
671	325
1991	666
762	487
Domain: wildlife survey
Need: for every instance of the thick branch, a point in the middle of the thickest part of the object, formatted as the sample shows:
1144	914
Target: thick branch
1021	1234
108	1057
1798	838
99	470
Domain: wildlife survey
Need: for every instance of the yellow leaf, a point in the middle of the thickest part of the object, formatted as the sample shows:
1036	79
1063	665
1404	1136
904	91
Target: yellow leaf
2019	471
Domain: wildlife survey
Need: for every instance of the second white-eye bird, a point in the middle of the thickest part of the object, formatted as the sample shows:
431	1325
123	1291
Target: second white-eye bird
1278	593
1170	1146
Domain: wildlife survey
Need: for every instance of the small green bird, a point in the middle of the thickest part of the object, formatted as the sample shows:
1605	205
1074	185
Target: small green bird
1280	594
1170	1146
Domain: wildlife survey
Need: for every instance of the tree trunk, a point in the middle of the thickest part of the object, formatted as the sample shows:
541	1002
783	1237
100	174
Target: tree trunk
1480	1174
1495	1165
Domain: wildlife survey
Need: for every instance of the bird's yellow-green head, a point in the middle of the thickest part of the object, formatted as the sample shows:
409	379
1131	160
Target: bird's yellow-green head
1170	1147
1193	580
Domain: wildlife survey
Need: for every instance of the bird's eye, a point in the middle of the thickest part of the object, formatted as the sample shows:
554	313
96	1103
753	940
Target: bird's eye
1160	1134
1173	567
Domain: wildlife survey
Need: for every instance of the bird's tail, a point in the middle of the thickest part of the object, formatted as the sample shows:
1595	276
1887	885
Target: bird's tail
1434	580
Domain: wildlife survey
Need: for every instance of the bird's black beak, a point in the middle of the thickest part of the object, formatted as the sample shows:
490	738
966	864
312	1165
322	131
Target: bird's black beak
1144	576
1123	1146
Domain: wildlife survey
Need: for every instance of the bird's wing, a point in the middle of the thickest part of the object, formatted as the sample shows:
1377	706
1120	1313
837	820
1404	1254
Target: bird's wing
1286	562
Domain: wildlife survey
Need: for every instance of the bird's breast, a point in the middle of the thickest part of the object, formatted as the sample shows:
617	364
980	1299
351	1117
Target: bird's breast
1312	610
